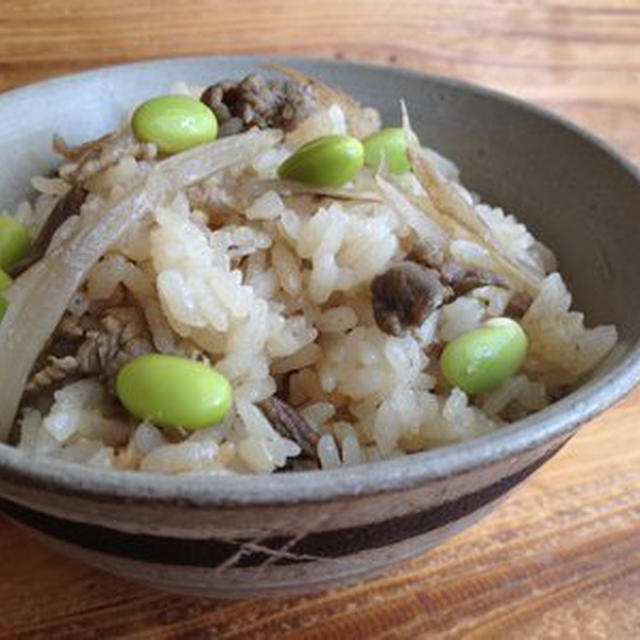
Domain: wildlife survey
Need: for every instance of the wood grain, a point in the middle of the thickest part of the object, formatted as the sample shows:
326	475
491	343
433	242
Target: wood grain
561	557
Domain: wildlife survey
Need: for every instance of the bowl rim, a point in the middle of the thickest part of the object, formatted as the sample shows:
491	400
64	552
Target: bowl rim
553	424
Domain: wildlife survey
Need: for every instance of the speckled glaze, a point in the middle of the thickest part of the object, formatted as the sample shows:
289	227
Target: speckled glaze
290	533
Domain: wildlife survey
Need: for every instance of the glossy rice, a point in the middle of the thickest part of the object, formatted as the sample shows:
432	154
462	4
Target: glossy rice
272	287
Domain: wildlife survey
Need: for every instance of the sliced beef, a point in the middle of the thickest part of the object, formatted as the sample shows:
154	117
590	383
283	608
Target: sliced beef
518	305
53	374
123	334
95	156
254	101
463	280
290	424
91	346
427	254
408	292
405	294
460	278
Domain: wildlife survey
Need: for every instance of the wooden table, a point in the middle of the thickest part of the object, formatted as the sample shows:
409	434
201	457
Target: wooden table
561	557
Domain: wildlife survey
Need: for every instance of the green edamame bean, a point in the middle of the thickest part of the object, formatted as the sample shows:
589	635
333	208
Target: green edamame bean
328	161
483	359
14	241
173	392
5	279
390	143
174	123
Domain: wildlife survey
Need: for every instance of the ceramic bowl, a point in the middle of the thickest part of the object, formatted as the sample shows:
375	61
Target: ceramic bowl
289	533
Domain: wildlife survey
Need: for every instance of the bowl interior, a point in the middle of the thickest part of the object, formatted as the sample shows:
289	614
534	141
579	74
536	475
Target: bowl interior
576	195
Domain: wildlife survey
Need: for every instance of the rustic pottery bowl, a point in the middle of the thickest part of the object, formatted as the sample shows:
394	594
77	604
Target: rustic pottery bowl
290	533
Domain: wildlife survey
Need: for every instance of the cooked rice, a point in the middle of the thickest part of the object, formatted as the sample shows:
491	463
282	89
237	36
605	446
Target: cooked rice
280	289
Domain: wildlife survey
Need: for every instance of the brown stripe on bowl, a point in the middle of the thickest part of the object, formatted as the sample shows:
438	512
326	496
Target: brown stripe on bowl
269	563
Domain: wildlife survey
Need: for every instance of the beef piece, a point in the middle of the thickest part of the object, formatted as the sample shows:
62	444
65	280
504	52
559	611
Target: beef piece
463	280
57	365
254	101
55	372
290	424
68	205
123	335
405	295
460	278
95	156
80	152
518	305
88	346
427	254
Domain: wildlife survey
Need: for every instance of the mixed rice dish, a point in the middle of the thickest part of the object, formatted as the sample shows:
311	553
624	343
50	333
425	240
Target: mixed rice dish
255	277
